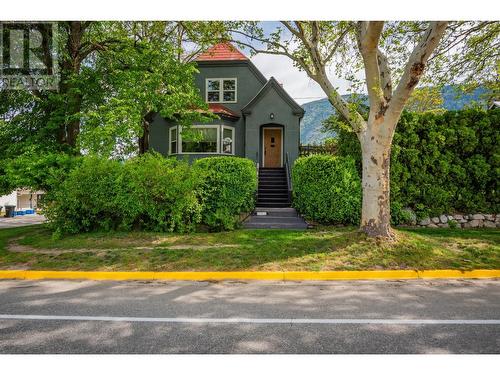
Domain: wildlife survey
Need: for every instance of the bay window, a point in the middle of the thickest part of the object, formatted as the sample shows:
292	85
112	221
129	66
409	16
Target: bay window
221	90
203	139
173	141
227	140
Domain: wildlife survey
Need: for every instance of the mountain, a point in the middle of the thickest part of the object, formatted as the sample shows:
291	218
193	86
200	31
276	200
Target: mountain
319	110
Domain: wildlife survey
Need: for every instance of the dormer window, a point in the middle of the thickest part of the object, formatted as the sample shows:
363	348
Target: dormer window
221	90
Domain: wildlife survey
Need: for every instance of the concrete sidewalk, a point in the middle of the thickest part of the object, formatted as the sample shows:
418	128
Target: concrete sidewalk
417	316
21	221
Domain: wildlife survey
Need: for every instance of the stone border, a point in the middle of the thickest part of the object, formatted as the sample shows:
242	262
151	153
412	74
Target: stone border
462	221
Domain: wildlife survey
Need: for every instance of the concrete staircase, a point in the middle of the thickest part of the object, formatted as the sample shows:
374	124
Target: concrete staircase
273	203
275	218
273	188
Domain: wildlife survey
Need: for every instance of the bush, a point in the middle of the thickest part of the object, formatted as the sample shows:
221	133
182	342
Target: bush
441	162
86	199
160	194
228	188
146	192
327	189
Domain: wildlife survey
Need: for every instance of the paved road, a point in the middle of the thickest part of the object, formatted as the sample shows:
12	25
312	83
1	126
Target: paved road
255	317
21	221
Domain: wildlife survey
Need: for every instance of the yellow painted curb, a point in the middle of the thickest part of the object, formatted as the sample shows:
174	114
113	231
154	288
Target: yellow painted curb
257	275
457	274
352	275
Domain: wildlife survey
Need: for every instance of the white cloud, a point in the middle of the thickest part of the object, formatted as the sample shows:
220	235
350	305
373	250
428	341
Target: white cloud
302	88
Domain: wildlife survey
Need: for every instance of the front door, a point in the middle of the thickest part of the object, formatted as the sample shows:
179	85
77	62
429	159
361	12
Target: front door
272	148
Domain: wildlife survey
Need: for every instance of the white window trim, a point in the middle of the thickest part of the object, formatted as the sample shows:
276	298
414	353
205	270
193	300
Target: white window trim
200	127
222	139
170	151
221	89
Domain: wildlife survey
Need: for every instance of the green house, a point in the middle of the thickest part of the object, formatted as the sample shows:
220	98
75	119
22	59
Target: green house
257	118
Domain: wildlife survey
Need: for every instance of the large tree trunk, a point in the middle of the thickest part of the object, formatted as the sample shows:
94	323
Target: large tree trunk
376	156
144	138
70	67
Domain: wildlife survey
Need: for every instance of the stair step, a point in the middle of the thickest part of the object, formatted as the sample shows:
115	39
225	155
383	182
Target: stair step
275	226
273	180
276	212
272	199
273	195
275	219
273	204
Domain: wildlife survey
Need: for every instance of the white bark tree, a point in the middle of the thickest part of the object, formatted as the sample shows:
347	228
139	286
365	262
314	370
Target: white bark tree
312	47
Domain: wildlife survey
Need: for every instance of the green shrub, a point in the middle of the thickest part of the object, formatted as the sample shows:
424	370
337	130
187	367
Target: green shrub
160	194
228	189
86	199
441	162
327	189
146	192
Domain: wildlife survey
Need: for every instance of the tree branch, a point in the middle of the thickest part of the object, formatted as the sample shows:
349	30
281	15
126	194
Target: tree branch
415	66
368	38
385	75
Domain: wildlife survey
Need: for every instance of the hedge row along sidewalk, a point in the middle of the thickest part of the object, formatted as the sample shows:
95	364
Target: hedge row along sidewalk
278	276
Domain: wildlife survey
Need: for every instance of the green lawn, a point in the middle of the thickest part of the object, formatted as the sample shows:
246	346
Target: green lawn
321	249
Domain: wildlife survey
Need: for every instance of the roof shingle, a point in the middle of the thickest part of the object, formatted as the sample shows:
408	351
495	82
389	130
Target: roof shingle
221	52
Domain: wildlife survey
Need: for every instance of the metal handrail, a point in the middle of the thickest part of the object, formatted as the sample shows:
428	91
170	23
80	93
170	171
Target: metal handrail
288	176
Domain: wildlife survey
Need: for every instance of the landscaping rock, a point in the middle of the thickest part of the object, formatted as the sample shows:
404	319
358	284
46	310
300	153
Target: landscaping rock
425	221
475	223
432	225
443	219
478	217
458	217
435	220
489	217
443	225
450	217
489	224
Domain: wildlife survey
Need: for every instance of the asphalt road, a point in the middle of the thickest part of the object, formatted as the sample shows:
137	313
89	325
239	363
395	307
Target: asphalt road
255	317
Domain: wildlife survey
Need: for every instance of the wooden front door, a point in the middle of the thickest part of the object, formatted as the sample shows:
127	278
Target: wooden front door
272	148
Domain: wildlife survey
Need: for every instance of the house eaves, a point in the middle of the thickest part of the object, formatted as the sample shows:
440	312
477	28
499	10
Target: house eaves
273	84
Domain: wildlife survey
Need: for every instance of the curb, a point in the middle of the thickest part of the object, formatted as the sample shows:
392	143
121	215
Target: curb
278	275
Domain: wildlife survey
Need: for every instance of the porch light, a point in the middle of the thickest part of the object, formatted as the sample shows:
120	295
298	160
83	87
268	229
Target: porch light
271	116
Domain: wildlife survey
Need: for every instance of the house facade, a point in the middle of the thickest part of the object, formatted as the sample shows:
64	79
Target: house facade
257	118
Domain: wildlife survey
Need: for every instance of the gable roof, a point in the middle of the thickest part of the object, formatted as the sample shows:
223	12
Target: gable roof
221	52
270	85
219	109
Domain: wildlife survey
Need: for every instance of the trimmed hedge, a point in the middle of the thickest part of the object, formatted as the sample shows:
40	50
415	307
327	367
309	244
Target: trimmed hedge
228	188
150	192
161	194
441	162
147	192
327	189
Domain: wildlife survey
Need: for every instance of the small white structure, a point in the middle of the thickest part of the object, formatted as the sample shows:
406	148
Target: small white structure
22	198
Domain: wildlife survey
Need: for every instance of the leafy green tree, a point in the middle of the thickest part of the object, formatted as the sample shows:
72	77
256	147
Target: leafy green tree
425	99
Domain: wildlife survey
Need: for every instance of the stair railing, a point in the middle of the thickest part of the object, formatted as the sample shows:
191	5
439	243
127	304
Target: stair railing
288	177
257	167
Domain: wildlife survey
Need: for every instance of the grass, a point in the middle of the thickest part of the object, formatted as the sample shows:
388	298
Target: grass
321	249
